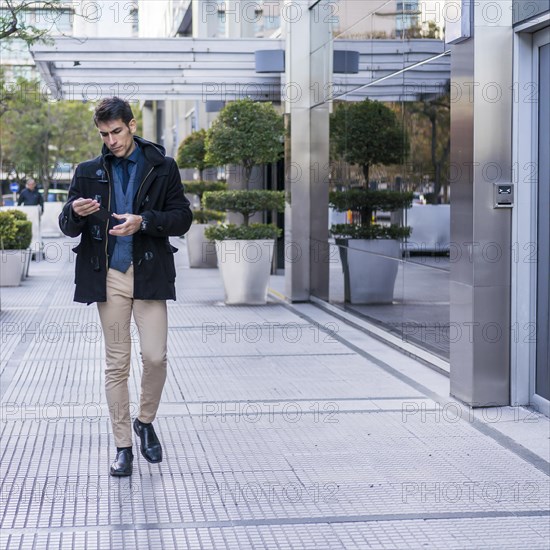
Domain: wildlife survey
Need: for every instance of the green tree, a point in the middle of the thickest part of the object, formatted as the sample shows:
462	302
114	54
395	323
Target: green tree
245	202
246	133
16	23
8	229
364	134
367	133
17	26
37	134
192	152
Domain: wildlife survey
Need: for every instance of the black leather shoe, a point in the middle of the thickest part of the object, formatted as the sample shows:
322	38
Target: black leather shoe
150	445
122	466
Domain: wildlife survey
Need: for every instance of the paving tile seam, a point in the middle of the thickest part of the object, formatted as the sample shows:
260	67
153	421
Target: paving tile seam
269	400
178	304
12	487
240	327
214	415
307	399
260	356
276	522
36	359
22	308
503	440
285	414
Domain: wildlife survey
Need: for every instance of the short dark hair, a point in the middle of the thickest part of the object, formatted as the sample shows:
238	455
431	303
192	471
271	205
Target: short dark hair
113	108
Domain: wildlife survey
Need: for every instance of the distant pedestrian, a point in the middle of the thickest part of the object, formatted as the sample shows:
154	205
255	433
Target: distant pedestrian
125	204
30	196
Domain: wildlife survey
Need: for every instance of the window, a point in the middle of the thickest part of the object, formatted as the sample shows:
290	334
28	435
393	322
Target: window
408	16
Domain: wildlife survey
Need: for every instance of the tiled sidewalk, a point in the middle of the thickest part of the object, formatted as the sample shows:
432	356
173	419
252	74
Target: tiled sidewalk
282	428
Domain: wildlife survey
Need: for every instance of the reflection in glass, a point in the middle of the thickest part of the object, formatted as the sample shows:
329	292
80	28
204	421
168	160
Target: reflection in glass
404	68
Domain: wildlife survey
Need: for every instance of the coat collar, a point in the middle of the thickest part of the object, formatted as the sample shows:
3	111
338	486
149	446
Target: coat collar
153	152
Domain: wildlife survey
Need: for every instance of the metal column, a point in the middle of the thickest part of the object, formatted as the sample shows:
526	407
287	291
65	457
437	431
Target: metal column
481	155
308	68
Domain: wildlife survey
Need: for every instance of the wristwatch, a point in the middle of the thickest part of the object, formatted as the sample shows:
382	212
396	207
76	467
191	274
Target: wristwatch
143	225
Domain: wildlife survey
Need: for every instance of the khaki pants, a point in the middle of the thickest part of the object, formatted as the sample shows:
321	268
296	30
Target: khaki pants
152	324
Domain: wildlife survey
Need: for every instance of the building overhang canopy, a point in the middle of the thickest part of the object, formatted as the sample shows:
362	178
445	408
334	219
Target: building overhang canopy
218	69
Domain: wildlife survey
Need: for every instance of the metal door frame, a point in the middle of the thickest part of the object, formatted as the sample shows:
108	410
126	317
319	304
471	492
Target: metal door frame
524	217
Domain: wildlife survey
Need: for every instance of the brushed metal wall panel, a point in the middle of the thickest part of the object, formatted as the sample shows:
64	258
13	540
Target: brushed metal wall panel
481	141
461	348
462	158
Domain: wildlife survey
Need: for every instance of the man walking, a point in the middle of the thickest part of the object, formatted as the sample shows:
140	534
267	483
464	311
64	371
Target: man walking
125	204
30	196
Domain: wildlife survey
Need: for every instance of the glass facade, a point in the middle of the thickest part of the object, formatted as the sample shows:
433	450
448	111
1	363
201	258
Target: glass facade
413	159
407	18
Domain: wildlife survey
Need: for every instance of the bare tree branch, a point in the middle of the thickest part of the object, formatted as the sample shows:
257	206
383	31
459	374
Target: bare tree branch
11	25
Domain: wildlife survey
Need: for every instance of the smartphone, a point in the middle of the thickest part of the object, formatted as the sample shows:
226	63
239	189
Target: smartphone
103	214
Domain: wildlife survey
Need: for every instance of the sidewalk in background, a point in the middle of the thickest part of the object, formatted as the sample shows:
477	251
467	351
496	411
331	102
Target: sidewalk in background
282	427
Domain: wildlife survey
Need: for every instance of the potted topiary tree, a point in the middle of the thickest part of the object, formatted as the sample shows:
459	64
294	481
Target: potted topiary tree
245	251
247	134
15	239
23	239
201	251
367	133
191	154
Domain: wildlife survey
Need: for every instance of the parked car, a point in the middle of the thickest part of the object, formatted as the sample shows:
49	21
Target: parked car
7	200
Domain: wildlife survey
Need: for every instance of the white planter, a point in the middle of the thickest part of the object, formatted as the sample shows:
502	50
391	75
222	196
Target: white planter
34	216
245	267
201	252
370	269
26	263
11	267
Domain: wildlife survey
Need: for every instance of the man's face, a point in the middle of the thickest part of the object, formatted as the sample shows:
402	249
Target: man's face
31	185
118	137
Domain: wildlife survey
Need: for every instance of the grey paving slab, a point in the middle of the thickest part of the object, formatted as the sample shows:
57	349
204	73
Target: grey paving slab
397	535
213	380
282	377
230	470
219	316
275	435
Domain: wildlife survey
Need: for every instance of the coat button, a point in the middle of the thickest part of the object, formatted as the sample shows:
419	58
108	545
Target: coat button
148	256
160	228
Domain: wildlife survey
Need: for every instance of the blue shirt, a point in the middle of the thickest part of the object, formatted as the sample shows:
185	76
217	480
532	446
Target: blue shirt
122	253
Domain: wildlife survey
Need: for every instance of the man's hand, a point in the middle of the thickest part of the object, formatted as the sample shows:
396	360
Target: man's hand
85	207
131	225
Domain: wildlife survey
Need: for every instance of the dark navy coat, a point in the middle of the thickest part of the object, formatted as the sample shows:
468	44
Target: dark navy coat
159	200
